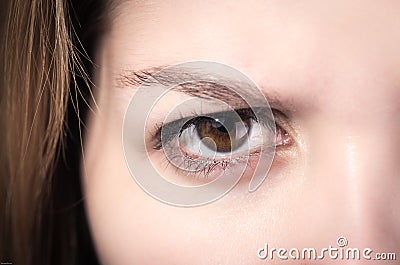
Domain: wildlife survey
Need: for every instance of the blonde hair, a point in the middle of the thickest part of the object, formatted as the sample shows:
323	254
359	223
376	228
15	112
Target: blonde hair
38	56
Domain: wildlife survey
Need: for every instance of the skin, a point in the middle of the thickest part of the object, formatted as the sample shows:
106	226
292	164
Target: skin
338	65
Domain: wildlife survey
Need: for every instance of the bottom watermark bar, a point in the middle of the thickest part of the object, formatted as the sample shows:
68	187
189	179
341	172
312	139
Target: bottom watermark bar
341	251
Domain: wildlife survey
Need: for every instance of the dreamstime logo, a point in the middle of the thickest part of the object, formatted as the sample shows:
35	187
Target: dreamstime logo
190	78
339	252
341	241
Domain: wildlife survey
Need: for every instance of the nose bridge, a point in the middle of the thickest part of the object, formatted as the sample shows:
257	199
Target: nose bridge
363	171
368	137
373	167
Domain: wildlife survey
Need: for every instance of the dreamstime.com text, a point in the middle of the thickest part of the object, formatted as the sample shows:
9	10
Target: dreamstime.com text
339	252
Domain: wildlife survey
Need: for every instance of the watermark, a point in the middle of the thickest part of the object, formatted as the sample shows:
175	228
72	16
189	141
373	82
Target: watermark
217	87
340	251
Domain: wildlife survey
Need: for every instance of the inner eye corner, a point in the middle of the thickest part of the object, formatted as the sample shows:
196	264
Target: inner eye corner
285	136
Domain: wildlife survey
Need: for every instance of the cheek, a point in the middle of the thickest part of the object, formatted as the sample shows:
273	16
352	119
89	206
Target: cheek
130	227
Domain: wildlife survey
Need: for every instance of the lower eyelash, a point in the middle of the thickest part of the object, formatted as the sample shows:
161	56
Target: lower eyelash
203	168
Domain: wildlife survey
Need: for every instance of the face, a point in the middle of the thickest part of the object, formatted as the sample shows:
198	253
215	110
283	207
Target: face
333	72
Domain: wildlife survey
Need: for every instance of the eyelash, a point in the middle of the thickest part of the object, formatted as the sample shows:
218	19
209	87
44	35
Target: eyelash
204	167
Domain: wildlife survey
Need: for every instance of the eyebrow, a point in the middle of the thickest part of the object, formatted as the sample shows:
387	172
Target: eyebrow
205	87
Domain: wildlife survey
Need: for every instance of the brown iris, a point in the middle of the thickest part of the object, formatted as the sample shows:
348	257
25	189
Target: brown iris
222	134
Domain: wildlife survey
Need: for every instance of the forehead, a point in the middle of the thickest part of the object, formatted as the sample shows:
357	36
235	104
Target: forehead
283	43
266	26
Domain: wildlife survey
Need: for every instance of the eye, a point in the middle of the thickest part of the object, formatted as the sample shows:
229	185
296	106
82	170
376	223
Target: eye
217	134
203	142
